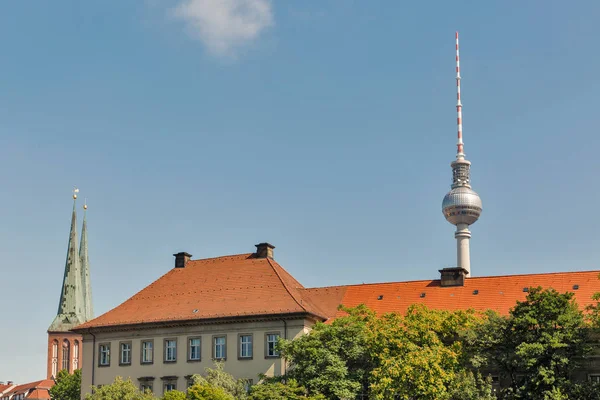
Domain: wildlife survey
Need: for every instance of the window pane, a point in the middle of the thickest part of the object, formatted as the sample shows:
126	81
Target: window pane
219	347
104	354
246	346
195	349
125	353
271	342
147	353
170	350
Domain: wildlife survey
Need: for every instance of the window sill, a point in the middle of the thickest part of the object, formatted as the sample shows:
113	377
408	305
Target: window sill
103	365
169	361
220	359
244	358
124	364
271	357
195	360
146	362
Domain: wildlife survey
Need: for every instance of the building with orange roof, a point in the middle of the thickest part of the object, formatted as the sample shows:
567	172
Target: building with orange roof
38	390
234	308
6	387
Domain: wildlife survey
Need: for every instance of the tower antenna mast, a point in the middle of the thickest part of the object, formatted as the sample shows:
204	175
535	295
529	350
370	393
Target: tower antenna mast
459	145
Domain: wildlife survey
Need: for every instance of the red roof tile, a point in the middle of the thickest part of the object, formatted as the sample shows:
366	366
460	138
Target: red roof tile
499	293
3	387
244	285
34	390
231	286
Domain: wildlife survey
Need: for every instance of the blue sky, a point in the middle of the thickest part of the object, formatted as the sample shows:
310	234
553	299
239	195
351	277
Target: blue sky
324	127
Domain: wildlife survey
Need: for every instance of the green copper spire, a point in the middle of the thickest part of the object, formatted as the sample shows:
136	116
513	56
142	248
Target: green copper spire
71	310
85	269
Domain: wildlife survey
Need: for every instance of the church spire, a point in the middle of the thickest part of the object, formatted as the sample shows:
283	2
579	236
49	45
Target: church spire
85	269
71	310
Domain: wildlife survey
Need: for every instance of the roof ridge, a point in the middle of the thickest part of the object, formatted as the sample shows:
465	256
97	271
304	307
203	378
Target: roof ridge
285	286
470	279
316	310
227	256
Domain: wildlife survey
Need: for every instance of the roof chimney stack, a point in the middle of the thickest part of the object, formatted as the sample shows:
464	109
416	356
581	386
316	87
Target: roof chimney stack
454	276
181	259
264	250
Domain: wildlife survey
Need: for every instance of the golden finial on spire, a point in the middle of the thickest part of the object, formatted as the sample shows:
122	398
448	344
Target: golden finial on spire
85	203
75	191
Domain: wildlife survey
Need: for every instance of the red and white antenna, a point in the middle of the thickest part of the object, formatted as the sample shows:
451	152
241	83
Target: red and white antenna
459	151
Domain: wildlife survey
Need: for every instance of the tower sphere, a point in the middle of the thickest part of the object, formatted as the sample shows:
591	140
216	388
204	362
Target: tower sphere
462	205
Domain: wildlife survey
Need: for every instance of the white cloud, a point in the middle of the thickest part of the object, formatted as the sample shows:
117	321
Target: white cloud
224	26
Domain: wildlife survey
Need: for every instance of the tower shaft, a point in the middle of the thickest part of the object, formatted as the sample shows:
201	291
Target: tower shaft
463	255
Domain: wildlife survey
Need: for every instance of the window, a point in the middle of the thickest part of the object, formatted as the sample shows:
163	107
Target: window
168	386
66	354
146	387
271	340
170	350
219	347
104	352
248	384
595	378
125	353
147	351
194	349
75	355
54	357
245	346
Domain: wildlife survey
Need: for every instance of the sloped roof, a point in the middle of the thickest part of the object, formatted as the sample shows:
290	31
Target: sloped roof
498	293
247	286
34	390
4	387
230	286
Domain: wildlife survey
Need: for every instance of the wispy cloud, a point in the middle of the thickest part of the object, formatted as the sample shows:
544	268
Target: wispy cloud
224	26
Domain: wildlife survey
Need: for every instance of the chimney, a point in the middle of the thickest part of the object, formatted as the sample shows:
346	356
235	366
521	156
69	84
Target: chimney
454	276
264	250
9	382
181	259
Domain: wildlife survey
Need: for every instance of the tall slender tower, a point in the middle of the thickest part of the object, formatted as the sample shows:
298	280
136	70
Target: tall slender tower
64	346
461	205
85	269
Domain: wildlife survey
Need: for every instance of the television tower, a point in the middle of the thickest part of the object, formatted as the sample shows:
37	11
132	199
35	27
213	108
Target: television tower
461	205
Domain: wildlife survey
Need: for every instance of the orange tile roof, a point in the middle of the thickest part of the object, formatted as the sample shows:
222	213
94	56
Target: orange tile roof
34	390
3	387
246	286
499	293
230	286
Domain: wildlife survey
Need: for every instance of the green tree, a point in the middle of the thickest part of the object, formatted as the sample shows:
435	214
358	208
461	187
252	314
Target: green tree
470	386
174	395
593	315
118	390
419	355
537	346
217	377
333	359
206	391
280	391
68	386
